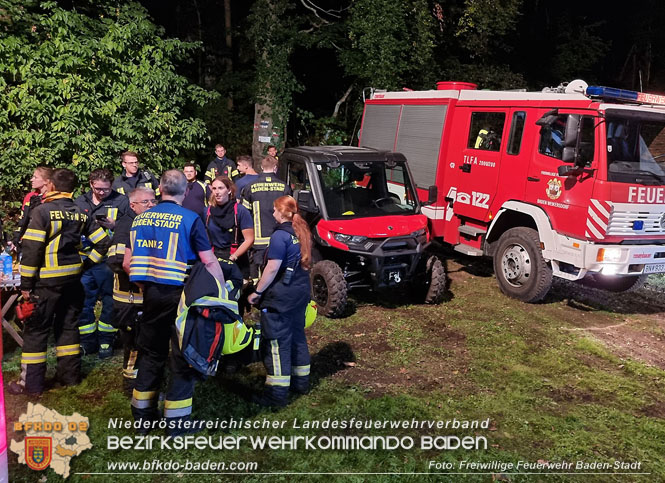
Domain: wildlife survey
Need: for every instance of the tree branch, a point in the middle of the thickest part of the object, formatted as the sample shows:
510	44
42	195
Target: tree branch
342	101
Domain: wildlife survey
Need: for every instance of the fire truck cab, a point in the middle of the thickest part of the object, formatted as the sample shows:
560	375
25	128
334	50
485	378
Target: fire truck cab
567	182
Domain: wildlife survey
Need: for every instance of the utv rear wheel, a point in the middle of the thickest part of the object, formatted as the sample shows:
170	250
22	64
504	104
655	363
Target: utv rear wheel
519	266
431	286
615	283
329	288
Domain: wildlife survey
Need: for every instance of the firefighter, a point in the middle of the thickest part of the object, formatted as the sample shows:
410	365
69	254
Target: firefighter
272	151
127	296
39	184
104	205
133	176
51	278
283	294
208	295
197	193
246	168
164	240
258	197
221	166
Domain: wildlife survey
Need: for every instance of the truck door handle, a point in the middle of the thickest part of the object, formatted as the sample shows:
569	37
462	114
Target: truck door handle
465	168
531	178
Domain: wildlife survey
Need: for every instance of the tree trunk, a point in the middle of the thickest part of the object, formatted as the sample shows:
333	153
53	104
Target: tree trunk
262	131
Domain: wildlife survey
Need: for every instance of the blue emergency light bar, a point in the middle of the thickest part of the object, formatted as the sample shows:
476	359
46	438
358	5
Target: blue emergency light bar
624	95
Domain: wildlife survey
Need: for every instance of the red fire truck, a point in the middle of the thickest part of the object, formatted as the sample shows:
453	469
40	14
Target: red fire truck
567	182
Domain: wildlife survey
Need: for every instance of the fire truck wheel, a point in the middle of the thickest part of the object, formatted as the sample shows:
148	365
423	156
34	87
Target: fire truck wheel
519	266
329	288
618	284
432	287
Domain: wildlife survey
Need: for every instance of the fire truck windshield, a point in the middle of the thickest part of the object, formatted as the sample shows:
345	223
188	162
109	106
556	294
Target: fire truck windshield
353	190
636	150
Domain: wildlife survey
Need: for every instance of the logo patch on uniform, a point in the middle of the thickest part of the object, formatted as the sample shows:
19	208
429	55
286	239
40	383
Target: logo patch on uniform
553	189
37	452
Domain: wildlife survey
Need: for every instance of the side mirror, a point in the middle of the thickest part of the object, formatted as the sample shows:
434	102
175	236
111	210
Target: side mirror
572	130
571	140
306	201
432	194
564	170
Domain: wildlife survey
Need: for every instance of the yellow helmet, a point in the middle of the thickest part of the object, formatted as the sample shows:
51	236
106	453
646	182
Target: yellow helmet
310	313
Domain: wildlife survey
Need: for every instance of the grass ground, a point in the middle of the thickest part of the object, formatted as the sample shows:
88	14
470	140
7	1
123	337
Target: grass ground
554	386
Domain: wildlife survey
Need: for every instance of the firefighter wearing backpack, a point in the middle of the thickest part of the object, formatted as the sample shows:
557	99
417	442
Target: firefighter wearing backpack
165	241
283	294
127	296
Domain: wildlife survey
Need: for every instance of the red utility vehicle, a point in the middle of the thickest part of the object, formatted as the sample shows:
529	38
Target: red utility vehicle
567	182
366	223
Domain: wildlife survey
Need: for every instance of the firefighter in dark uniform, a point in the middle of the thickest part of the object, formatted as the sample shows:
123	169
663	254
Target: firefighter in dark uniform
51	278
133	176
283	294
258	197
164	241
127	296
200	284
104	205
221	166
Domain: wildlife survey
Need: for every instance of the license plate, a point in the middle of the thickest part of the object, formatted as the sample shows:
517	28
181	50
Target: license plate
654	268
394	276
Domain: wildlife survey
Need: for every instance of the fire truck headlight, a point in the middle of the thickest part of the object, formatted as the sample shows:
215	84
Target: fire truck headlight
609	255
610	270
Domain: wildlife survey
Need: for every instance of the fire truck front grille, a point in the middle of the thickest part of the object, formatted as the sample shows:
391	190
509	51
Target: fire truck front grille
636	220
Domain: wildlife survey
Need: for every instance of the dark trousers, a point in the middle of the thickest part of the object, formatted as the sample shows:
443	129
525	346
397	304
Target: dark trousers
125	317
178	401
285	353
58	307
160	304
256	261
97	283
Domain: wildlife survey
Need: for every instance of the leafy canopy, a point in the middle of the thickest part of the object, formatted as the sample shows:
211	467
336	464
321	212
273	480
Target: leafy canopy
78	87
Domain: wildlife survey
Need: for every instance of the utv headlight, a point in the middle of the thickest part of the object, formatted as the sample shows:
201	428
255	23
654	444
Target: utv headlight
347	239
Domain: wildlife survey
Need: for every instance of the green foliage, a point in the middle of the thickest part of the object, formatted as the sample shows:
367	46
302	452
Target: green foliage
485	22
273	34
391	42
325	131
578	53
78	87
496	77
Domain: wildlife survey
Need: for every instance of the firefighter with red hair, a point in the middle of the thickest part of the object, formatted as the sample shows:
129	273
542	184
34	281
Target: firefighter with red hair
283	293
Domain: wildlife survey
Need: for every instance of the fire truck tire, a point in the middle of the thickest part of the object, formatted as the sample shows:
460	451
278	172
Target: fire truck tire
329	288
519	266
432	287
618	284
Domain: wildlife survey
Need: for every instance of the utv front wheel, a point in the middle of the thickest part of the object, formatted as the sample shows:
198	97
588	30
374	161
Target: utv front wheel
329	288
519	266
431	285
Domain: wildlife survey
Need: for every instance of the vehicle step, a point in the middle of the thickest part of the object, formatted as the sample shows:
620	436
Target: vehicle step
468	250
472	230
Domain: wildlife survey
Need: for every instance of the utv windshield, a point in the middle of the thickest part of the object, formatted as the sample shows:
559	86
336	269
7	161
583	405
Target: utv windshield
354	190
636	150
